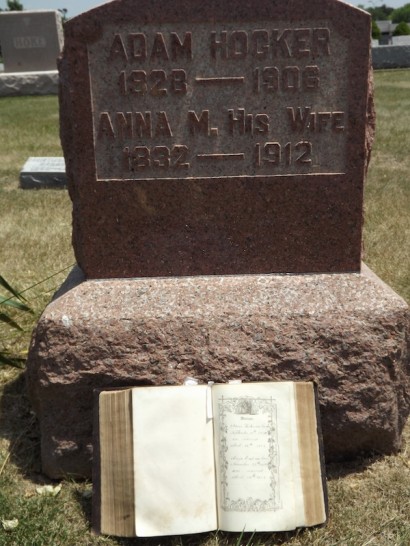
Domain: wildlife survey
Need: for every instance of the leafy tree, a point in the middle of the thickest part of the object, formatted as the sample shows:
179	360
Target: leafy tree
14	5
376	33
402	29
380	13
401	14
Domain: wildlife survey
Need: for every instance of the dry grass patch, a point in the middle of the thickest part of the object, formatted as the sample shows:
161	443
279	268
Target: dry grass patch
369	498
387	192
35	226
29	124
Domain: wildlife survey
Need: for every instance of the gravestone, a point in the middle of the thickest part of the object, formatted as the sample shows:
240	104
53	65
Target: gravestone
210	147
391	56
30	41
20	84
401	40
230	143
43	172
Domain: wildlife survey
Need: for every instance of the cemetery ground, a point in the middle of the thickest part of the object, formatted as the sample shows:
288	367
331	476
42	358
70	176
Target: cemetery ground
369	498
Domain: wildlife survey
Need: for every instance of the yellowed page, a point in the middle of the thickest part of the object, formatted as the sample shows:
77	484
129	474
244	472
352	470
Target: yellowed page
174	464
117	491
257	457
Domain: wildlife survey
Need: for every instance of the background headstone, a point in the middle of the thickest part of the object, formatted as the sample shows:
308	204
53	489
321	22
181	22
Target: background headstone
43	172
221	140
30	41
391	56
15	84
401	40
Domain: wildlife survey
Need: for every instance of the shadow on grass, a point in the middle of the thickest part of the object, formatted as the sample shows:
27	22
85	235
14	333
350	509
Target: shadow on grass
335	471
19	426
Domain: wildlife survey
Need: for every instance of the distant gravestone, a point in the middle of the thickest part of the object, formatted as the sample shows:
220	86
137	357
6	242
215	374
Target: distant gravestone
30	41
232	146
401	40
208	146
391	56
43	172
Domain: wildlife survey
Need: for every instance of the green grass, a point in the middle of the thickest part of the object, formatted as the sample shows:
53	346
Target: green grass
387	195
35	238
369	498
28	124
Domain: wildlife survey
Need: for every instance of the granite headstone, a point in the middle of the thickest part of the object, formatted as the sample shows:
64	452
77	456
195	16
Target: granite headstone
219	138
216	138
30	41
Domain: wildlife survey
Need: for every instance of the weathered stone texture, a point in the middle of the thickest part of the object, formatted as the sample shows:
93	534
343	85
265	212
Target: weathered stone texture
28	83
391	56
31	41
292	199
43	172
347	332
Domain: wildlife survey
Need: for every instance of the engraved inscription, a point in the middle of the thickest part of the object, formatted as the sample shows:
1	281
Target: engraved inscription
141	157
156	82
215	100
265	44
29	42
291	78
154	46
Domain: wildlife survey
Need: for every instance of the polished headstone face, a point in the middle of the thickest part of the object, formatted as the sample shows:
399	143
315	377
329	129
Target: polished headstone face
216	137
31	41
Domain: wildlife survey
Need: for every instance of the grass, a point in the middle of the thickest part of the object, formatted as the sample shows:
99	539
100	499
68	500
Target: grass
387	195
35	226
369	498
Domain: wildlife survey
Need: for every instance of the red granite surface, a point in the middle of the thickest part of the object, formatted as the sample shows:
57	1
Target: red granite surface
297	219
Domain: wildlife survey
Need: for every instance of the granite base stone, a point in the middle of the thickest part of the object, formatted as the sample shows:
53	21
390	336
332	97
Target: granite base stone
347	332
14	84
391	56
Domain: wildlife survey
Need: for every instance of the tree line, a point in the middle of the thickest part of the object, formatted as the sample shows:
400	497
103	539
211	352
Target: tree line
384	13
400	16
15	5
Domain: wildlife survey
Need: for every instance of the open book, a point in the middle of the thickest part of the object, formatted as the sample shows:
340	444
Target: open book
189	459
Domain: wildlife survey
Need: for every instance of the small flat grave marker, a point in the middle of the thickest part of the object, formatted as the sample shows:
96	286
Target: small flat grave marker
43	172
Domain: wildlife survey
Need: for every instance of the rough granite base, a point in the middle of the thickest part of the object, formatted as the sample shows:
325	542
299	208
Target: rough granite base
391	56
347	332
17	84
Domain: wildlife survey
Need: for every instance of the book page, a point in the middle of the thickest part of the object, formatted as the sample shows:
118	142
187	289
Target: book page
174	463
257	457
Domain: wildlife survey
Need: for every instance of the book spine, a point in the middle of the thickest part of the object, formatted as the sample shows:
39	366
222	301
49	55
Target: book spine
117	461
311	466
